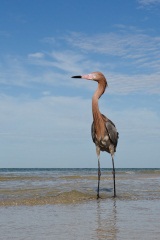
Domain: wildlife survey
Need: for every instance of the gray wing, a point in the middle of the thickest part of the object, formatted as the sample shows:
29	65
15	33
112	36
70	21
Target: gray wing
112	132
93	132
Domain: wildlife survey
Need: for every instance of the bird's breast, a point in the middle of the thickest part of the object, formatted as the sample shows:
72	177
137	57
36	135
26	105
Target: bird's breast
103	143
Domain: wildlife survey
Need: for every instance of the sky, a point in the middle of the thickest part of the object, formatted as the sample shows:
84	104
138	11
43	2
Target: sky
45	115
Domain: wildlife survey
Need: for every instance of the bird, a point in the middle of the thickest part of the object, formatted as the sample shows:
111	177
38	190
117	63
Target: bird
103	130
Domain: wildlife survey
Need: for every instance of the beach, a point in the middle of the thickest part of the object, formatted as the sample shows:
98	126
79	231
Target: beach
62	204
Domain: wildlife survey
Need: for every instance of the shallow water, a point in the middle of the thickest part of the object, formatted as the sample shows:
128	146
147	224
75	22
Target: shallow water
62	204
53	186
102	219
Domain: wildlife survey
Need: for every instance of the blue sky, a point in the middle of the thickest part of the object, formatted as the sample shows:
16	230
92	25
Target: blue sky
45	114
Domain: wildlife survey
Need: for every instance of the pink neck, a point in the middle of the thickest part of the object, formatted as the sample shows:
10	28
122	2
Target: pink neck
97	117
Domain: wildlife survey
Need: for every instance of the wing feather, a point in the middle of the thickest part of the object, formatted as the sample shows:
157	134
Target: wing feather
93	132
112	132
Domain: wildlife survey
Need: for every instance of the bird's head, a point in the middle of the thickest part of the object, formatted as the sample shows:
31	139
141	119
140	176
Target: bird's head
95	76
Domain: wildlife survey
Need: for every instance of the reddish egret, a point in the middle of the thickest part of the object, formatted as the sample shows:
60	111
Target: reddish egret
103	130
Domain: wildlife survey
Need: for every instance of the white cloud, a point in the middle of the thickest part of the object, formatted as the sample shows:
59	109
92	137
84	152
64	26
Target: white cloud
57	70
13	72
68	61
148	2
62	118
42	132
56	131
52	117
36	55
139	83
128	44
138	124
129	58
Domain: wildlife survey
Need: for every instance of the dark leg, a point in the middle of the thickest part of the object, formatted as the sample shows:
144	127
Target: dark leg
99	175
114	177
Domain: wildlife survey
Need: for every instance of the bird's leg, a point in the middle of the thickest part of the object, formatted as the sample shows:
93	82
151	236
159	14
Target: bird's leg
114	176
99	175
99	170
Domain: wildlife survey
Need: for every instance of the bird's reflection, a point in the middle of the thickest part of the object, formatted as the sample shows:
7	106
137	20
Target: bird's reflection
106	220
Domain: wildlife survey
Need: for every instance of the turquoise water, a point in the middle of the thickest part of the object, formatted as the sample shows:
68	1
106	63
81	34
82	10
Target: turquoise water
62	204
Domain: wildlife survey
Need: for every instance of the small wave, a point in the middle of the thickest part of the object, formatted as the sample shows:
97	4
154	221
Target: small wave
130	172
24	178
103	177
61	198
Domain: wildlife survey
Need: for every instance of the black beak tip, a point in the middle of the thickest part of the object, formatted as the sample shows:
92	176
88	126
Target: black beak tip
76	76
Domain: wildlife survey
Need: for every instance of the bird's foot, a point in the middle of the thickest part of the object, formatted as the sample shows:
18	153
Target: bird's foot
98	197
114	196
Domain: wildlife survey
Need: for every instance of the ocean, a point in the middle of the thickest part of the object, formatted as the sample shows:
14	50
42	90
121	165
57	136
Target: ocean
62	204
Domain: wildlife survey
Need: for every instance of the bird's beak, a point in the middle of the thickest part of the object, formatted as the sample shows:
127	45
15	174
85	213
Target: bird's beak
87	76
77	76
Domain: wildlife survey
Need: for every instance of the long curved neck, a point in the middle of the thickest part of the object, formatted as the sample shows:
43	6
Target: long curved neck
97	117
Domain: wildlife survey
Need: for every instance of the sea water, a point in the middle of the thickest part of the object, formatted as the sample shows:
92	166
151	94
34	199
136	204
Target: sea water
62	204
